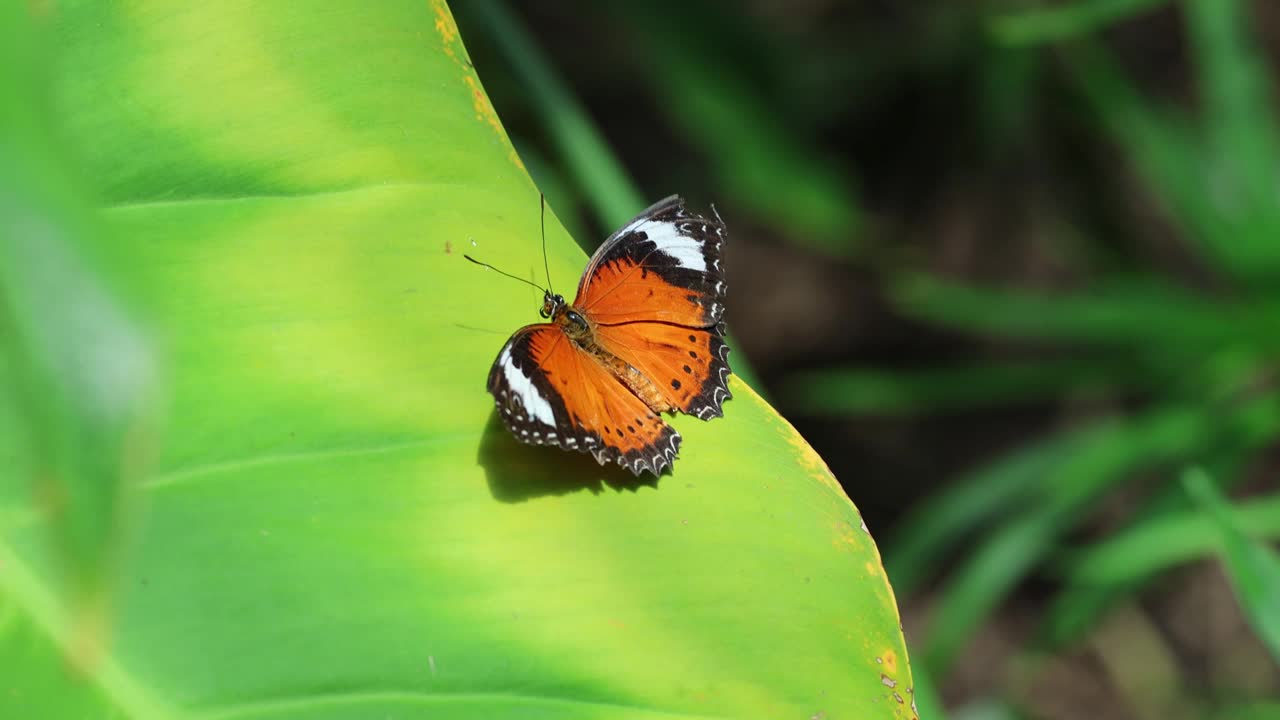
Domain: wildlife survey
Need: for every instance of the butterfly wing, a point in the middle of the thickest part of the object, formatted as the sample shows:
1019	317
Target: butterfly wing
655	291
663	266
550	392
689	366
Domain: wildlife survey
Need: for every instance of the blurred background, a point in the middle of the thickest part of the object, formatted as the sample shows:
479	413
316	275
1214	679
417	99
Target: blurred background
1012	268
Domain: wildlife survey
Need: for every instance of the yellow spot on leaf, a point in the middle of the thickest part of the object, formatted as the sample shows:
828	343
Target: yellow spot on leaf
453	47
484	108
890	661
845	535
445	26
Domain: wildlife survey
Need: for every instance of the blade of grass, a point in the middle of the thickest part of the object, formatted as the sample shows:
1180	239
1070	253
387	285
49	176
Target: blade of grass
597	172
921	540
923	697
1253	568
1078	606
1012	549
1256	710
1241	128
763	163
1166	153
907	392
1168	541
553	184
1065	20
1130	314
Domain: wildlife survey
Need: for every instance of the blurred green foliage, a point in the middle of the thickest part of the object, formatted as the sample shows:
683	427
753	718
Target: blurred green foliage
1254	568
1206	355
77	370
1064	20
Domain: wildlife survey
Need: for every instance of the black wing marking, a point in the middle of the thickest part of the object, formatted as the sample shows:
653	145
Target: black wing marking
683	248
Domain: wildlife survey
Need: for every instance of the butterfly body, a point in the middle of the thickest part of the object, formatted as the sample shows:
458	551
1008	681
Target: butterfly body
642	337
578	328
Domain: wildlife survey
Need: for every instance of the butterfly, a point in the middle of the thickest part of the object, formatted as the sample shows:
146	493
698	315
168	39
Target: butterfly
644	336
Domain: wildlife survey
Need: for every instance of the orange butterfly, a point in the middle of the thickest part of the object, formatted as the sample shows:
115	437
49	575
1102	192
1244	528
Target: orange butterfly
644	336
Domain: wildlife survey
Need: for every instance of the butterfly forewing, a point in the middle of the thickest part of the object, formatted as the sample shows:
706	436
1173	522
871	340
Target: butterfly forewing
663	266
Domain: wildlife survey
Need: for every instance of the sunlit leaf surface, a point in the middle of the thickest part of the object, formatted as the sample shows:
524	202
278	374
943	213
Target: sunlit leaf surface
337	526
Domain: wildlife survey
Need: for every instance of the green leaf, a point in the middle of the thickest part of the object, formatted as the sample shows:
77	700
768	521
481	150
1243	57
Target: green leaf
843	391
1064	20
1130	314
1254	568
937	525
1013	548
336	524
1162	145
712	100
1088	594
1247	710
78	373
1080	606
1169	541
1220	187
1243	144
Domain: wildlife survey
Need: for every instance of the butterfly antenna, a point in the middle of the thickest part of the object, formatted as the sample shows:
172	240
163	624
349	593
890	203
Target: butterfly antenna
545	266
513	277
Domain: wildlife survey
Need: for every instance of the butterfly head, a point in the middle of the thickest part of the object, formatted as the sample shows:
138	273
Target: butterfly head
551	304
569	318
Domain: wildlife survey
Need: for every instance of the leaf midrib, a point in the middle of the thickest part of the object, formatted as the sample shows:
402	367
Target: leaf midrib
266	708
255	197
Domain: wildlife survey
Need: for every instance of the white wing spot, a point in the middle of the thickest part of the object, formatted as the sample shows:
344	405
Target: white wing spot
666	236
522	387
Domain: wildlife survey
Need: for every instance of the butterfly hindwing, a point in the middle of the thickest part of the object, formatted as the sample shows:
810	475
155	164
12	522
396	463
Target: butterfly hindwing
689	366
549	391
664	266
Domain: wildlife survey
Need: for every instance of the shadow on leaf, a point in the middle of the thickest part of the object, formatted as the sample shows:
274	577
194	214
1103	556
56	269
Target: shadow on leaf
517	472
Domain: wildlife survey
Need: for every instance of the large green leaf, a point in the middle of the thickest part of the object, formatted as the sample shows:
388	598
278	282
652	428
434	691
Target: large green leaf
337	526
